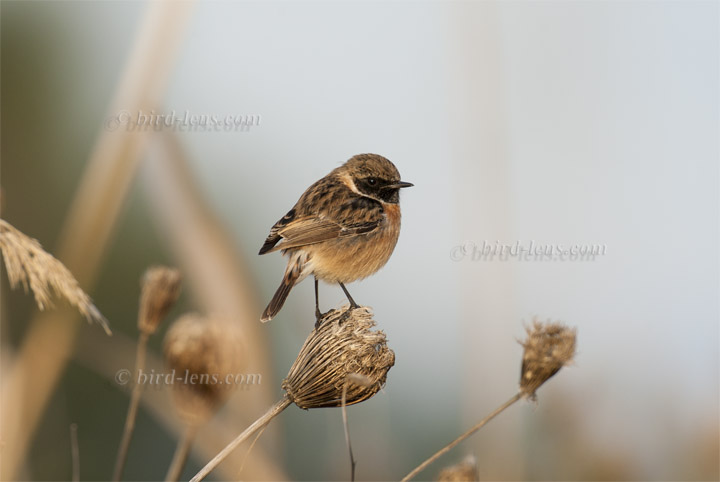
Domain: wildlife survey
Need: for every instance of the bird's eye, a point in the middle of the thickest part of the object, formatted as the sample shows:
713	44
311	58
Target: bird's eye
372	181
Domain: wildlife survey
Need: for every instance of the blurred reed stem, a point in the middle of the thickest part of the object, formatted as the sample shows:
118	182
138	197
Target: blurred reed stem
132	408
181	453
75	452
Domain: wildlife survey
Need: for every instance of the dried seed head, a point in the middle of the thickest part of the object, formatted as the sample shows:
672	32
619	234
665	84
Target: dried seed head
343	345
548	348
29	265
201	352
465	471
160	290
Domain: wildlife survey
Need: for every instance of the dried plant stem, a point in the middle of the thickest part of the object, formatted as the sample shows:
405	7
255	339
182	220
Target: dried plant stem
462	437
256	425
181	454
75	452
252	445
347	433
132	408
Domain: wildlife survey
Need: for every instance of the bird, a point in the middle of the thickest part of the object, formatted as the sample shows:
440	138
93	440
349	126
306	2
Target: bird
343	228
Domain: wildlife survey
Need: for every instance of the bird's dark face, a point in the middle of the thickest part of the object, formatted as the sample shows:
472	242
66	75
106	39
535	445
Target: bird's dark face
375	177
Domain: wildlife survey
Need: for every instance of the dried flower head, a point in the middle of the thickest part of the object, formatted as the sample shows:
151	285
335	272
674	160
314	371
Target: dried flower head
160	290
548	348
465	471
28	264
344	344
201	352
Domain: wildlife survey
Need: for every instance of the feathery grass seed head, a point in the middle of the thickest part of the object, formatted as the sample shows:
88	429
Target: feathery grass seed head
32	267
333	354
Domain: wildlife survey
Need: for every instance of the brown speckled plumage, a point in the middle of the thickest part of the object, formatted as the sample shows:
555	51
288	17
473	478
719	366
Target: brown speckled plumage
343	228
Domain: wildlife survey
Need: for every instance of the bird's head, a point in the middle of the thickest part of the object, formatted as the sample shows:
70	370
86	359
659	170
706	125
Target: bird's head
375	177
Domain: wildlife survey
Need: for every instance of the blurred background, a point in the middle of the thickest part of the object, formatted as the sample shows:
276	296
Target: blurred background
571	123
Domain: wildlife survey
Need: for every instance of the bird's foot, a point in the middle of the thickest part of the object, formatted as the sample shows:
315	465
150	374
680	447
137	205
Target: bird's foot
347	313
319	315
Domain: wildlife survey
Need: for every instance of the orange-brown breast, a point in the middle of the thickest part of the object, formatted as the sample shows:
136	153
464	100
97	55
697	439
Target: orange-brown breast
349	259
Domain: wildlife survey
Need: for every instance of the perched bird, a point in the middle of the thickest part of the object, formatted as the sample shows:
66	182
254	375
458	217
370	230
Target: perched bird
343	228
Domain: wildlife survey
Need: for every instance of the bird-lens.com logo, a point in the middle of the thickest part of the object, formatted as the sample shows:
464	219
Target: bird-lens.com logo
160	379
528	251
142	121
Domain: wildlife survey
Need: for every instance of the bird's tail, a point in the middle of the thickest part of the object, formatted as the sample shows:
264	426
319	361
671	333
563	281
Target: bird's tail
293	275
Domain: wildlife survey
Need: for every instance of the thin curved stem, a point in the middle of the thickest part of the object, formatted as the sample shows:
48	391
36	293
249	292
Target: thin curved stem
75	452
132	408
256	425
347	432
181	454
462	437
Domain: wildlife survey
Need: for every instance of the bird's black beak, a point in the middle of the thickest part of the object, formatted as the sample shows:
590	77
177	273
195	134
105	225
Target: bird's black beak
399	185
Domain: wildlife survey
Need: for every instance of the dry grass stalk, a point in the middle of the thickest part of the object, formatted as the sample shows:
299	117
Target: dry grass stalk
548	348
353	378
75	452
335	350
465	471
462	437
182	451
258	424
160	291
343	348
37	270
131	416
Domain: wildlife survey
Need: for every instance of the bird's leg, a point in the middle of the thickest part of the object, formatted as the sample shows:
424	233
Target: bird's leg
318	313
353	305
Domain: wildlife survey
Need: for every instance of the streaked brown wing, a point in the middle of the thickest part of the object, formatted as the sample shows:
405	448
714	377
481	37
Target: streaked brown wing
312	230
274	237
326	210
